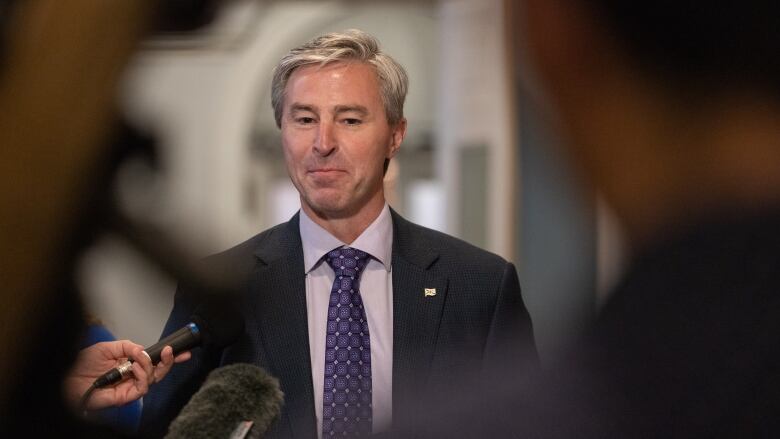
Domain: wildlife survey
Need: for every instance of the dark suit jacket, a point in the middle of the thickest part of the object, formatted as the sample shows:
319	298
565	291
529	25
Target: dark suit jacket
476	325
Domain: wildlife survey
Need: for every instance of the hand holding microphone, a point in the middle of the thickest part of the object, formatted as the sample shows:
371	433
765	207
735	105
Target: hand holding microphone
215	324
93	361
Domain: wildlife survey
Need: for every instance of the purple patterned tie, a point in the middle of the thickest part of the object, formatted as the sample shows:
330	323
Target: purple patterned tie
346	399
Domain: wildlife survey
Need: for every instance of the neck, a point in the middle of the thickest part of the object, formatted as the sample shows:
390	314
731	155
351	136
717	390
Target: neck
346	228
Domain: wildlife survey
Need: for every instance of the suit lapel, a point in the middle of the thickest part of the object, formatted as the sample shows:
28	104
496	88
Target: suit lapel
282	323
416	316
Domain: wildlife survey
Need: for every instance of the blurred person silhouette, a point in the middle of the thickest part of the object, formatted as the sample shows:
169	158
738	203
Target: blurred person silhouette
672	111
60	65
54	114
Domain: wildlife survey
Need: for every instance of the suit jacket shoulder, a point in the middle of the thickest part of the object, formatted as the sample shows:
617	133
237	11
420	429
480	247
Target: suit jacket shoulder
243	257
426	245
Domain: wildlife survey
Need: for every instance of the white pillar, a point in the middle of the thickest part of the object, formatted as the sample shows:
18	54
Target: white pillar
475	108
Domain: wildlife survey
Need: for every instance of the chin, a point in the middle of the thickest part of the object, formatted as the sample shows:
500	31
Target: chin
327	205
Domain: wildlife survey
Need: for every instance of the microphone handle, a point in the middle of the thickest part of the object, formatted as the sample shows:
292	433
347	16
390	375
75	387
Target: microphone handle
182	340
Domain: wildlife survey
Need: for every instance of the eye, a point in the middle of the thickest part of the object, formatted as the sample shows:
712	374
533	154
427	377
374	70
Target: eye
352	121
305	120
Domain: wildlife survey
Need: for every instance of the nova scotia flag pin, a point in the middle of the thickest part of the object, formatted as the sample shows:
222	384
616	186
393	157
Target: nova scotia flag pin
430	292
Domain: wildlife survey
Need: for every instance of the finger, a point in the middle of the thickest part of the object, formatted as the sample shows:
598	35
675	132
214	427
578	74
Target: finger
142	359
119	349
166	356
165	364
141	379
182	357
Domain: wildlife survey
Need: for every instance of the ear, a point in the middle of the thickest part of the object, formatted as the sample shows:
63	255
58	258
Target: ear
398	132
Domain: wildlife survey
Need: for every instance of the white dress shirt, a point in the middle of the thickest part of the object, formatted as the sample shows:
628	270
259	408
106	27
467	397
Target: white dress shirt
376	291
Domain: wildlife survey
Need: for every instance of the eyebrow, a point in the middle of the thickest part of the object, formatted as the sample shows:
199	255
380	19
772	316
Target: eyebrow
302	107
339	109
351	108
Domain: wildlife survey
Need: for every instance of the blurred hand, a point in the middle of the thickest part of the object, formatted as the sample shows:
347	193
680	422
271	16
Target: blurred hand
101	357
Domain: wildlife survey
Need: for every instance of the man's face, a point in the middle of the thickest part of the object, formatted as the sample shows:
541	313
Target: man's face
336	138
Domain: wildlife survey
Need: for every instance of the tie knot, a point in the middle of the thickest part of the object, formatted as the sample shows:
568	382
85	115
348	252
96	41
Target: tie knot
347	261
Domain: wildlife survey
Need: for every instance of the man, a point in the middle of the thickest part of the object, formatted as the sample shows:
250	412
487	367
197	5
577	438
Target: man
363	316
672	110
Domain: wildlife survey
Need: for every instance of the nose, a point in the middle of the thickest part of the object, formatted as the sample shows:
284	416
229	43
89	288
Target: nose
325	143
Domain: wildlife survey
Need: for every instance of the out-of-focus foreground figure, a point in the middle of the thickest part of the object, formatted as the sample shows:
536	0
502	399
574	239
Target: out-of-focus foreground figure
60	65
672	111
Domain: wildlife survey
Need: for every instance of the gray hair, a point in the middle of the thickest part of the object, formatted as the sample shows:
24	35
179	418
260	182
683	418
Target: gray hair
350	45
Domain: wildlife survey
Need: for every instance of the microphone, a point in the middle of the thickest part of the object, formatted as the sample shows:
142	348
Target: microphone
239	401
214	325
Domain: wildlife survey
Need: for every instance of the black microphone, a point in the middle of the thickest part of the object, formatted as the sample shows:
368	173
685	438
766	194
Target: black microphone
214	325
237	401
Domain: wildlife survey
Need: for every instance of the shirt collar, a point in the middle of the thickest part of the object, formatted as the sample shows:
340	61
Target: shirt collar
376	240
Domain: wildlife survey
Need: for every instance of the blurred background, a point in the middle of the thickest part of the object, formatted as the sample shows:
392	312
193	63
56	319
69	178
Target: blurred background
479	161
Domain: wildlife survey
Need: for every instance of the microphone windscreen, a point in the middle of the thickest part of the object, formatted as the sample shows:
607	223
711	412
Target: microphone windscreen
230	395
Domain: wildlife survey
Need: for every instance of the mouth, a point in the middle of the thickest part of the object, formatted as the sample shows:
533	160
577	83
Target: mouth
324	171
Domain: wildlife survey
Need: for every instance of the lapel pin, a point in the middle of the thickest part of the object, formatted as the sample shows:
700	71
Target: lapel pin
430	292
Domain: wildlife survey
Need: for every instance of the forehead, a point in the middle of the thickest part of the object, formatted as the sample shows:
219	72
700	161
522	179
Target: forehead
338	83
